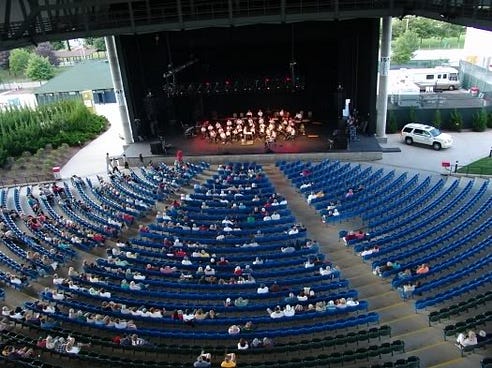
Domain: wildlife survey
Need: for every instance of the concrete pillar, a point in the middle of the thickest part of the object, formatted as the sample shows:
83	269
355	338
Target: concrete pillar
118	88
384	66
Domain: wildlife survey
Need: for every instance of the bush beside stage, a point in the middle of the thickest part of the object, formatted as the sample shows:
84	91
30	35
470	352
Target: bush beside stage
27	130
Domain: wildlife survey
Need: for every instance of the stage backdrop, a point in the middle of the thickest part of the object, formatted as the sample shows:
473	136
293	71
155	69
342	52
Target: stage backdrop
192	75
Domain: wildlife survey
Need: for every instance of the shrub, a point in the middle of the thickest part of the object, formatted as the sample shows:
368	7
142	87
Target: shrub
412	115
437	122
489	120
480	121
392	126
456	121
48	126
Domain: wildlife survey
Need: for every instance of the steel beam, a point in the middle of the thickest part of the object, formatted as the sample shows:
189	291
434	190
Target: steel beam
6	18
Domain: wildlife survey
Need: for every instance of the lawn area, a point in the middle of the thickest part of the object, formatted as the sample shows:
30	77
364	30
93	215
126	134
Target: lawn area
445	43
482	167
7	77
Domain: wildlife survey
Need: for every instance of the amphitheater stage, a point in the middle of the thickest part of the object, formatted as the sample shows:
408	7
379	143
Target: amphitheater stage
317	144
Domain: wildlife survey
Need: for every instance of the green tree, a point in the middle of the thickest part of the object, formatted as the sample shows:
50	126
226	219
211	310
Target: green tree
96	42
58	45
392	126
39	68
404	47
437	122
18	60
480	121
423	27
456	121
412	114
397	28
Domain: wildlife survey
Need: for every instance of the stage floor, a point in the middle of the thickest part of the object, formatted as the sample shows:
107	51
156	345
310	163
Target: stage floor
316	140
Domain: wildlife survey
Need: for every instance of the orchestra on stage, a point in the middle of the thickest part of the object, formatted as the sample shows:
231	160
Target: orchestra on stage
248	127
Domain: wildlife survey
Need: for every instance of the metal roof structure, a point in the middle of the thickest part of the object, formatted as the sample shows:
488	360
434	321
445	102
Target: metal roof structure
24	22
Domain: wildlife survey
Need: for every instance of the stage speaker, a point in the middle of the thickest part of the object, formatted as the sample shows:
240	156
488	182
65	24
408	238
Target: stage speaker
340	141
156	148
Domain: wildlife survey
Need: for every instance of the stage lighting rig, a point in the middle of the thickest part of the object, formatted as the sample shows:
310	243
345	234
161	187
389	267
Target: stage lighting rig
172	71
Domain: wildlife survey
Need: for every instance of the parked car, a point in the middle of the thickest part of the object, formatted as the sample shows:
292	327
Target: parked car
426	134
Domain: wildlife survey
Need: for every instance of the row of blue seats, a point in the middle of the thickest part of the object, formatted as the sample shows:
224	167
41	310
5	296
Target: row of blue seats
331	179
272	249
386	185
429	213
292	283
447	264
274	228
411	197
432	232
241	222
270	260
276	269
454	292
458	275
231	313
383	194
232	239
416	228
436	242
363	319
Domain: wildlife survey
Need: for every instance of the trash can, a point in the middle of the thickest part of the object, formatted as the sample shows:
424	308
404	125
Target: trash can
474	91
446	167
56	172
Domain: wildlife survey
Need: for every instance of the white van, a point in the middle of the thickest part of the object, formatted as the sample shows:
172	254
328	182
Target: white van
438	78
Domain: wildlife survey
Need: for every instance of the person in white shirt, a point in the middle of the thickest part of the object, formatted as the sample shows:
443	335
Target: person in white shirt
294	230
325	271
289	311
275	216
242	344
277	313
263	289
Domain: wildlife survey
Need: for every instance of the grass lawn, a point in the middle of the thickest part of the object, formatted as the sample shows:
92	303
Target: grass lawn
445	43
7	77
482	167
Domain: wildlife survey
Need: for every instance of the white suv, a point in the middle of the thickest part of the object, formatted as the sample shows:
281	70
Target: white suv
426	134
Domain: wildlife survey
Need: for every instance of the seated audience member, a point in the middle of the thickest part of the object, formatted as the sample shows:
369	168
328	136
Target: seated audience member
242	344
408	289
229	361
289	311
241	302
267	342
248	326
355	235
263	289
203	361
423	268
389	266
366	252
276	313
291	298
467	340
234	330
256	343
274	287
